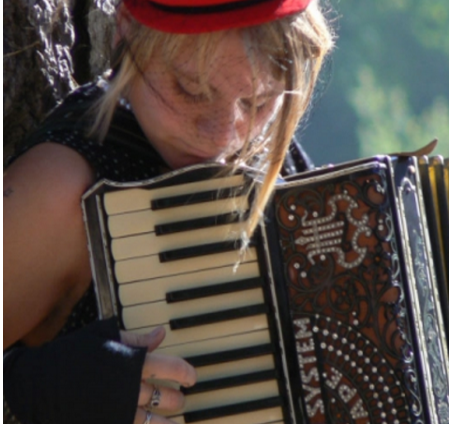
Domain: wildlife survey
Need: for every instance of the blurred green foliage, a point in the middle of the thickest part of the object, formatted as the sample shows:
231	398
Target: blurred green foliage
386	84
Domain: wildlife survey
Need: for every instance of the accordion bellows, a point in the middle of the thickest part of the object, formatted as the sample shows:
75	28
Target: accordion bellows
335	313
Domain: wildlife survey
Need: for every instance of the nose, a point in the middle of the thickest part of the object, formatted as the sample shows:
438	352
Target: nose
220	126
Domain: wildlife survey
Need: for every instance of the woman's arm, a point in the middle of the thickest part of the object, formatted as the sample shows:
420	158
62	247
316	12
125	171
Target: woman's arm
93	374
46	263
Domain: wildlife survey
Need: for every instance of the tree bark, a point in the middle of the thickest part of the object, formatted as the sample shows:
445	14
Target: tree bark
50	47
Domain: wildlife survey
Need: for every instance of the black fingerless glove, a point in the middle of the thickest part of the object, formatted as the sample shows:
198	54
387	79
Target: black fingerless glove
87	377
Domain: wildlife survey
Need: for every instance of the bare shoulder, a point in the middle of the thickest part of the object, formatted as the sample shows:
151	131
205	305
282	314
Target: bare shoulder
48	164
45	255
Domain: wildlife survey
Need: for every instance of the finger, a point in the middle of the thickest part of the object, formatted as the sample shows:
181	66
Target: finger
168	398
141	418
165	367
151	340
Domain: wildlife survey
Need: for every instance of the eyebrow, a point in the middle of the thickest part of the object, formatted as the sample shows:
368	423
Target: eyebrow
195	80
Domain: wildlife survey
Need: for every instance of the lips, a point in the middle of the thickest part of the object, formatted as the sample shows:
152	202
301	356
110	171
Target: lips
200	155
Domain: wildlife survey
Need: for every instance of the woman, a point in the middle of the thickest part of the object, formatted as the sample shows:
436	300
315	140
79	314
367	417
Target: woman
210	81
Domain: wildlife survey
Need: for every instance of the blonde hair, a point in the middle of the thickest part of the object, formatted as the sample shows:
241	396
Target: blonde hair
295	48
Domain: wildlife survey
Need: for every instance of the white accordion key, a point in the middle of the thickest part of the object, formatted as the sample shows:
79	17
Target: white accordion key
158	313
150	266
150	244
210	331
264	416
234	395
140	199
144	221
229	369
255	355
157	289
218	344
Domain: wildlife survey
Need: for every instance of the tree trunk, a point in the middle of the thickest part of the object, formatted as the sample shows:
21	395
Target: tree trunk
50	47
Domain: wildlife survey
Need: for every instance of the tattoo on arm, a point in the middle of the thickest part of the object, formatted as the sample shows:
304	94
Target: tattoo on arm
7	192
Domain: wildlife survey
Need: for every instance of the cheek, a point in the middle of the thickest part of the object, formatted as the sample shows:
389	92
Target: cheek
160	107
263	119
271	113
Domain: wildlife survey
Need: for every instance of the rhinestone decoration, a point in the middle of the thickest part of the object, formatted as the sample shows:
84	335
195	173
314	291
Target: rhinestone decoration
324	235
346	343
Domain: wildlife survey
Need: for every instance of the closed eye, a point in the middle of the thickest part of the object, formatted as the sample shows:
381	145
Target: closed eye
259	104
189	96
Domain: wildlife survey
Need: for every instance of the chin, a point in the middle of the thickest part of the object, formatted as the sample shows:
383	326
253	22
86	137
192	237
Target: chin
188	161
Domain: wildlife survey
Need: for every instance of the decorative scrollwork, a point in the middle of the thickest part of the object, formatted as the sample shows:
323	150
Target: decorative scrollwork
342	263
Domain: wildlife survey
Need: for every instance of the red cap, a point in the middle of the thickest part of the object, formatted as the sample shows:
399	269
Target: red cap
198	16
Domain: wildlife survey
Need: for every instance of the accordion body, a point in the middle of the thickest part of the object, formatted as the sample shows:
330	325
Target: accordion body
351	304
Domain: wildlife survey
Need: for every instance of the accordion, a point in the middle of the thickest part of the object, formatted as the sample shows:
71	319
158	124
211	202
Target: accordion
335	313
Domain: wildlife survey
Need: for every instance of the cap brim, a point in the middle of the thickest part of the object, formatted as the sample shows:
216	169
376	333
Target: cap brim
177	20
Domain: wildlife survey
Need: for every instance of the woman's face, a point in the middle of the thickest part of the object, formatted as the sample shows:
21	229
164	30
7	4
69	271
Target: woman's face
187	126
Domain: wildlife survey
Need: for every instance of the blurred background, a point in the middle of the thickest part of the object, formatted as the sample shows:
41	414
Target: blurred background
385	87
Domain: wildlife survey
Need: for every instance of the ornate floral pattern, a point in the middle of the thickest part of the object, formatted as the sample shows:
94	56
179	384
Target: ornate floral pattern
347	292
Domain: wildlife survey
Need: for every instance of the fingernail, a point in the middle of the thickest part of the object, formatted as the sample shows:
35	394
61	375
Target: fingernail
156	331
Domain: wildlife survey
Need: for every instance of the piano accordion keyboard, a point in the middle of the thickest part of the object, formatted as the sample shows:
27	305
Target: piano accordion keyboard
211	304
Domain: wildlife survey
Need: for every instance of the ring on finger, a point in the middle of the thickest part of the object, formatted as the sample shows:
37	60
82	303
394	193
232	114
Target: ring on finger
155	399
149	416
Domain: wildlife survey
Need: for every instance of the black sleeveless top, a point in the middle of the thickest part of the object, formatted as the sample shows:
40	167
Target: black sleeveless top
124	155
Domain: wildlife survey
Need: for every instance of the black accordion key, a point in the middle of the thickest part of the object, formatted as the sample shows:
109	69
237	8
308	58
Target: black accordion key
194	251
193	198
217	289
230	355
235	409
210	318
196	224
237	380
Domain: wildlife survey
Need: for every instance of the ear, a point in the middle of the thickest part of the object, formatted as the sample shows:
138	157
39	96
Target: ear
123	23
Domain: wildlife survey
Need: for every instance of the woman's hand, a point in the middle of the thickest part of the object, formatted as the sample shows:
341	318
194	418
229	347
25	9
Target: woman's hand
162	367
92	375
